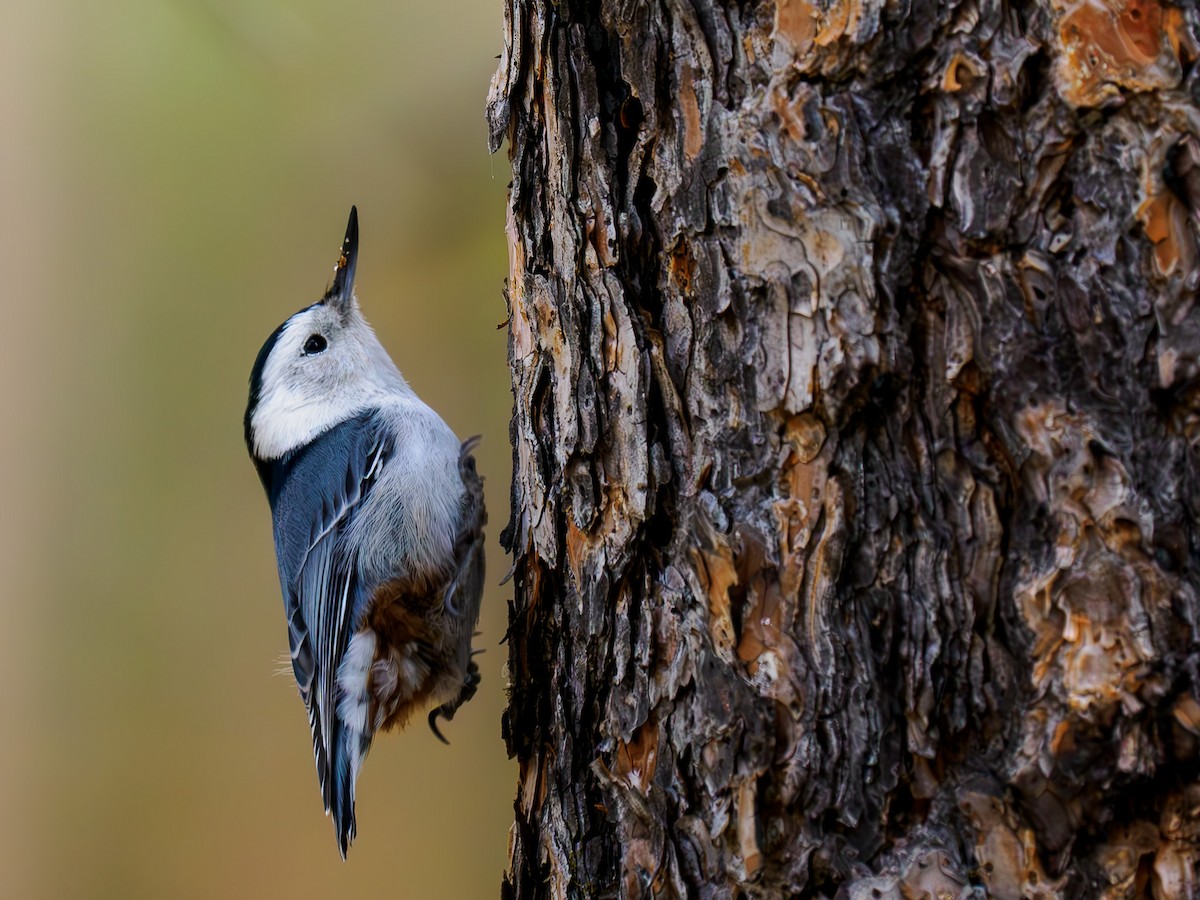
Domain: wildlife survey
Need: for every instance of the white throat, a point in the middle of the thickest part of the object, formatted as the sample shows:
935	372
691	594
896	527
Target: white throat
284	422
296	403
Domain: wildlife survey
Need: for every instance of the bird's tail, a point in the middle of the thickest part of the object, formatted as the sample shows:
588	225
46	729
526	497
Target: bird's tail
354	731
342	805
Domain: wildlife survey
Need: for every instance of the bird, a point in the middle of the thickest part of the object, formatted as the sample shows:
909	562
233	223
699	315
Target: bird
378	517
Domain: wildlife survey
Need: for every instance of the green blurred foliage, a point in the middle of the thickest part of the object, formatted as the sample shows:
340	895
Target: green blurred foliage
174	181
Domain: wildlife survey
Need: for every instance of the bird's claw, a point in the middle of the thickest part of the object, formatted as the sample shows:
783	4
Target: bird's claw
447	710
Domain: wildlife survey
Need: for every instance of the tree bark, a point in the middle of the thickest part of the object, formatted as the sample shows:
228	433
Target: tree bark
854	507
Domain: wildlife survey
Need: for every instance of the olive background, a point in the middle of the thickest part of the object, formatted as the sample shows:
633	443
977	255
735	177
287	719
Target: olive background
174	182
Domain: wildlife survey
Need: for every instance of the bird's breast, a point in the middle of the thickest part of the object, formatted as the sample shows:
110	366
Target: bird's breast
407	525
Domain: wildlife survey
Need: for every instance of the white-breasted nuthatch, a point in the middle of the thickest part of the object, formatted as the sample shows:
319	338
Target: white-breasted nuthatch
378	515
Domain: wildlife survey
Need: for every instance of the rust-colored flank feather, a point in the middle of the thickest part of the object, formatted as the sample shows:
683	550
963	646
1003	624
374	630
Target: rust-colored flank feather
414	650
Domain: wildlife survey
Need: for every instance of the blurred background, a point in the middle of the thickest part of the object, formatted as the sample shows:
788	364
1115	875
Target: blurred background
174	182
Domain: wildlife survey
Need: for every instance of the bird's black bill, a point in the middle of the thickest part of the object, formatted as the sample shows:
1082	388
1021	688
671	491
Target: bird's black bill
342	289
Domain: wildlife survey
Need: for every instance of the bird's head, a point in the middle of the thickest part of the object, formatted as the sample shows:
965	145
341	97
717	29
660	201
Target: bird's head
321	367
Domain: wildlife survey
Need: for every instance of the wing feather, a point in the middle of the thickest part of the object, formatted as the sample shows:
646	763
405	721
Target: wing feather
323	595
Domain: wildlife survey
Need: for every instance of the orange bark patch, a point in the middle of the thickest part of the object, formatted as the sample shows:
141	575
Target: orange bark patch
747	826
1062	743
760	630
841	18
1187	713
796	23
801	26
519	325
681	266
1007	852
1106	45
579	548
806	434
530	786
802	479
1164	219
693	127
717	574
637	760
961	72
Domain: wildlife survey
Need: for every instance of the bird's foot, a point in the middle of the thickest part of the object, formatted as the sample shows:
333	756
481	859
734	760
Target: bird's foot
447	710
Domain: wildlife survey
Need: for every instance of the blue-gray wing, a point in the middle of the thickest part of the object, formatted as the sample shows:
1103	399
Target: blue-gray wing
315	499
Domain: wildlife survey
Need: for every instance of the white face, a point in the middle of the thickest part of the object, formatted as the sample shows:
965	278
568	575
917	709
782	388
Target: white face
326	366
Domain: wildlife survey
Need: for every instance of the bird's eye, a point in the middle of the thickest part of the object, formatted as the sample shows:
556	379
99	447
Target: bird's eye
315	344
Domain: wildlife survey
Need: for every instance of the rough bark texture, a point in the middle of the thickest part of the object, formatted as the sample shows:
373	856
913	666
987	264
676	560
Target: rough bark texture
854	358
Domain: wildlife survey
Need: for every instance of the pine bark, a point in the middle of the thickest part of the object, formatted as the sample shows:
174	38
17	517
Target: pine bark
855	496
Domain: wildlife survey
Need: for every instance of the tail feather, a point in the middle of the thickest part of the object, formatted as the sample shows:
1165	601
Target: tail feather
344	776
351	748
352	735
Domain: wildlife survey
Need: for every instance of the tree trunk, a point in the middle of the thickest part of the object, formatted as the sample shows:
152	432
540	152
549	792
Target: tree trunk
854	506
